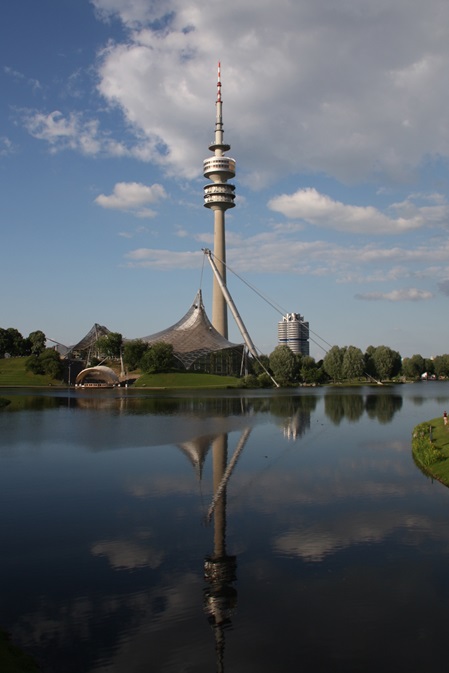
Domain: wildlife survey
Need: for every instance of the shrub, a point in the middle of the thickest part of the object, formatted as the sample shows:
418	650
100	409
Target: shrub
250	381
424	450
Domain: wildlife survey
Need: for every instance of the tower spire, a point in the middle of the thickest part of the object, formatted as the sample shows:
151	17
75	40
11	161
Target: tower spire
219	83
219	196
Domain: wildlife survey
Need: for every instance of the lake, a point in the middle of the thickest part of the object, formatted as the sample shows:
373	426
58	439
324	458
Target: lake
235	531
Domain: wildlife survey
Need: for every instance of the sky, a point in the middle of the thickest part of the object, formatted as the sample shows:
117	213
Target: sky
337	117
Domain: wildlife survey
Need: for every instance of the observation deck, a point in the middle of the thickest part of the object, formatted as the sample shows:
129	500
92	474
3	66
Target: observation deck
219	194
219	168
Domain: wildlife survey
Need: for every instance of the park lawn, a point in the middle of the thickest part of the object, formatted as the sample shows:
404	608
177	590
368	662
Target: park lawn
440	440
440	436
186	380
13	373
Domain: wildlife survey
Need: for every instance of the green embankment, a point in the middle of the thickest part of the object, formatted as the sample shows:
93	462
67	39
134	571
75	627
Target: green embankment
13	373
186	380
430	449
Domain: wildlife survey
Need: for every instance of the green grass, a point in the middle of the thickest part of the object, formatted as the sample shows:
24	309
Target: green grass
13	373
430	449
187	380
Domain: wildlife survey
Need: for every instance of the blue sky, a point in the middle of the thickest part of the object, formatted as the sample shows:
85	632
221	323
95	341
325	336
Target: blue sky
337	118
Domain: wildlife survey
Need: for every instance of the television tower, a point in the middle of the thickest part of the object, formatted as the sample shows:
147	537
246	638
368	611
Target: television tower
219	196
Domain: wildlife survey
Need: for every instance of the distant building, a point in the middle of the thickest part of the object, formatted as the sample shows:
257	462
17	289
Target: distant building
294	333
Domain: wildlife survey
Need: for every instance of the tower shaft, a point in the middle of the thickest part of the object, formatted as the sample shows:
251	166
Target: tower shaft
219	196
219	306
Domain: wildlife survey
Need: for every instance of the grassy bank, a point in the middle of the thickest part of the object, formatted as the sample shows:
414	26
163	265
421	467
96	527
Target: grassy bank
430	449
13	373
186	380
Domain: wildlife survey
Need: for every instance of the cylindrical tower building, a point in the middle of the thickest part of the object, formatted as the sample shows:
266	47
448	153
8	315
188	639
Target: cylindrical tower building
294	333
219	196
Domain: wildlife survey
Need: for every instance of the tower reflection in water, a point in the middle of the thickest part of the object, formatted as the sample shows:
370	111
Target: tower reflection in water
220	595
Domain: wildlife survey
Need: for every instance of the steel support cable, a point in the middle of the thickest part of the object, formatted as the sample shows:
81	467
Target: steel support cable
245	487
277	307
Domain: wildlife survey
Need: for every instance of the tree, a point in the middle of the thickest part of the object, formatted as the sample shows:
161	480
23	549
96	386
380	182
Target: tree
158	358
370	367
11	342
36	342
257	366
309	372
250	381
413	367
48	362
441	365
133	351
110	345
353	364
333	363
429	366
283	364
387	362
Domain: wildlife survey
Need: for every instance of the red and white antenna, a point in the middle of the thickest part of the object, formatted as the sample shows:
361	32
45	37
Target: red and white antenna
219	83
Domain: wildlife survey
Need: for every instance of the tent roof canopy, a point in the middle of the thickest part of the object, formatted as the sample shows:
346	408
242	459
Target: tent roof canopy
95	332
193	336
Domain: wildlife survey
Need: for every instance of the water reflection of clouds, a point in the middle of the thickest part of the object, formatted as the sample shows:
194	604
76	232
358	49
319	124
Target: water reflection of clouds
157	485
129	554
160	619
315	542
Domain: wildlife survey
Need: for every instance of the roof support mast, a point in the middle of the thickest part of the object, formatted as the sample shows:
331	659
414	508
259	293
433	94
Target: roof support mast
243	331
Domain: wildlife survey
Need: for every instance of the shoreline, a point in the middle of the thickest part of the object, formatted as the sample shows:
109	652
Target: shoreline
430	449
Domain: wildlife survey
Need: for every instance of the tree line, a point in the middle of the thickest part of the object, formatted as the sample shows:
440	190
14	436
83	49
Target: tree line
340	363
379	363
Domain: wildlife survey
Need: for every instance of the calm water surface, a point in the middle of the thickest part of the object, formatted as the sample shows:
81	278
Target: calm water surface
270	531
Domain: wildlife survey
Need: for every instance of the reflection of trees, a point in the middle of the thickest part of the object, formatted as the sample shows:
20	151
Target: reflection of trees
287	405
383	407
337	407
351	407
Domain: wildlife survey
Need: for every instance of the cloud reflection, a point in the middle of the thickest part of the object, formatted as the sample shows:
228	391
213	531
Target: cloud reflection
314	542
123	554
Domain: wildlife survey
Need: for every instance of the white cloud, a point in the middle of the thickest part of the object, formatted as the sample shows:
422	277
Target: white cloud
132	197
15	74
306	87
163	260
73	132
321	210
64	132
6	146
131	12
407	294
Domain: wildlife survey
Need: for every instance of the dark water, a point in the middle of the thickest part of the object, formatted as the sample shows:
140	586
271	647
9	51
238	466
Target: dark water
235	532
